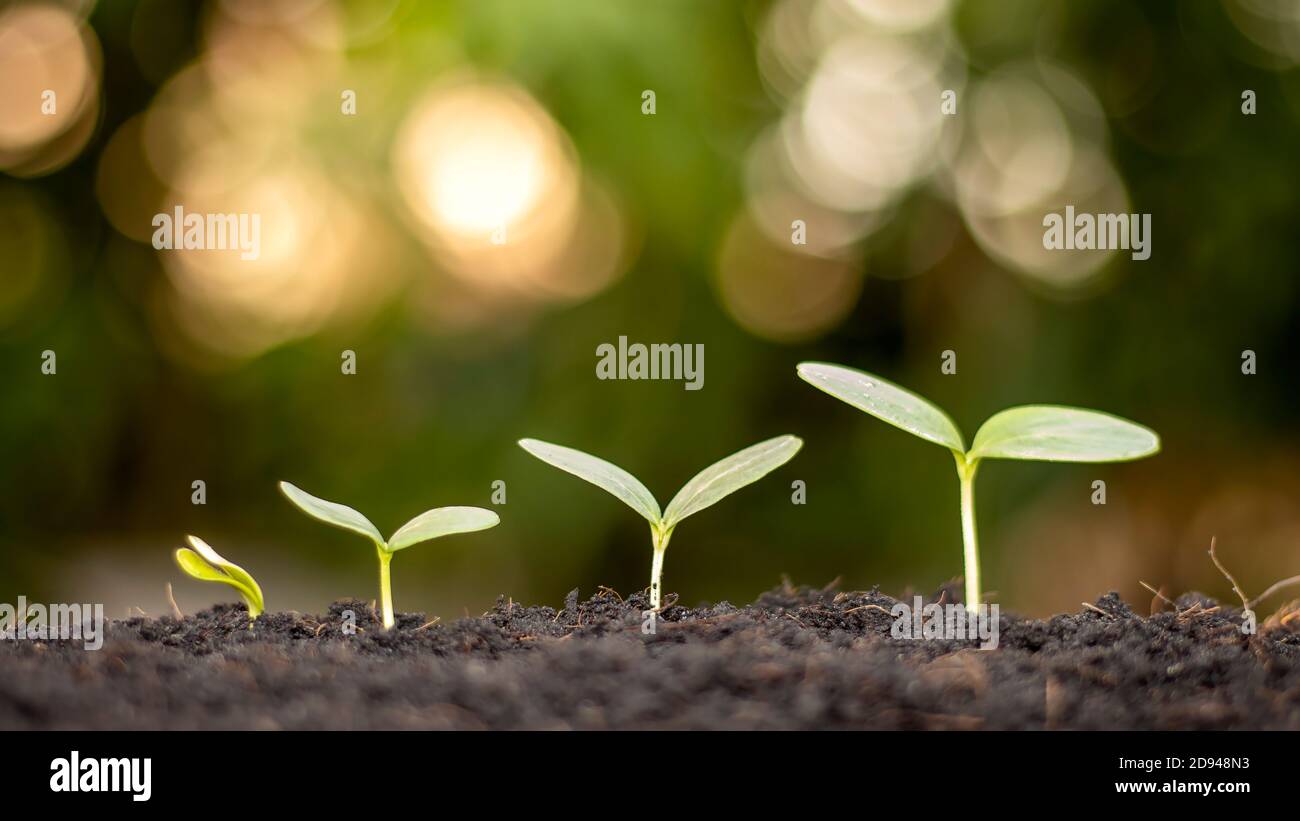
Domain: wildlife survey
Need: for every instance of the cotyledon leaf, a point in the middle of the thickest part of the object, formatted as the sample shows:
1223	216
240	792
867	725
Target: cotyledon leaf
729	475
442	521
205	564
885	401
231	569
1053	433
332	513
192	563
608	477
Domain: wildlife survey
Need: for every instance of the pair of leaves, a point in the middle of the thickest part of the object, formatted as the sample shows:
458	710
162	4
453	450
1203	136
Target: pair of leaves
1050	433
431	524
707	488
206	564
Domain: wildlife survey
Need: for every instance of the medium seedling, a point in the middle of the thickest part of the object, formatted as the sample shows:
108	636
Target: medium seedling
708	487
1048	433
431	524
206	564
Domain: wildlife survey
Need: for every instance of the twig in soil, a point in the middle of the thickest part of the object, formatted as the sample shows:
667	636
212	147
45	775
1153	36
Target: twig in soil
1245	603
1249	605
1051	703
1273	589
1183	614
172	600
1158	595
867	607
1196	610
949	721
1097	609
429	623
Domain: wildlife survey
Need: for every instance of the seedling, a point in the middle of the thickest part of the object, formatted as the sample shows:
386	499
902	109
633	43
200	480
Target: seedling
708	487
1048	433
431	524
206	564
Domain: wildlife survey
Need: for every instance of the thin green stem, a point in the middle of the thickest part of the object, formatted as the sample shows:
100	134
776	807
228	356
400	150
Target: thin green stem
966	472
386	588
657	564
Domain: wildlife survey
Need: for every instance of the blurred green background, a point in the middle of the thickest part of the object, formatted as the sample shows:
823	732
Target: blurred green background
380	235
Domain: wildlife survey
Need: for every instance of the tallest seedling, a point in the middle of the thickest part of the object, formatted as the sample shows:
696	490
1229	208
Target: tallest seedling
1046	433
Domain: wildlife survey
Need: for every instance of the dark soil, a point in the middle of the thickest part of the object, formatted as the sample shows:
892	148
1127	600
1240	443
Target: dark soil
797	658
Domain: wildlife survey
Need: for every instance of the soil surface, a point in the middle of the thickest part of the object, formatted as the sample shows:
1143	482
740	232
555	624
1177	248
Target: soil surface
797	658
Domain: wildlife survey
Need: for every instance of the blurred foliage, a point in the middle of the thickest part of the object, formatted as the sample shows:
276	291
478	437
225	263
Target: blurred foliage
98	461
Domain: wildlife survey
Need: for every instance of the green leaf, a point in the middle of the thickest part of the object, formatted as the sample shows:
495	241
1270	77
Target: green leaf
332	513
205	564
610	478
1052	433
442	521
231	569
729	475
193	564
885	401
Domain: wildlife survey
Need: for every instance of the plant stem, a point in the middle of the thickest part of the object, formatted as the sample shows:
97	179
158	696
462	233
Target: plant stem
386	588
657	565
966	472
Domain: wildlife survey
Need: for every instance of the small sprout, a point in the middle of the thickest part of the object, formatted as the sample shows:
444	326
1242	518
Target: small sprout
1049	433
205	564
431	524
708	487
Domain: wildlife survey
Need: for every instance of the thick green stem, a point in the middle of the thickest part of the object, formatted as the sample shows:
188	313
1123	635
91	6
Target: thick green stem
657	565
386	588
253	611
966	472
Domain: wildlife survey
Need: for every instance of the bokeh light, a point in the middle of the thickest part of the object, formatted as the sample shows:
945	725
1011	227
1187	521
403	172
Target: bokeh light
497	193
778	294
1027	154
49	100
1272	25
498	204
860	83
